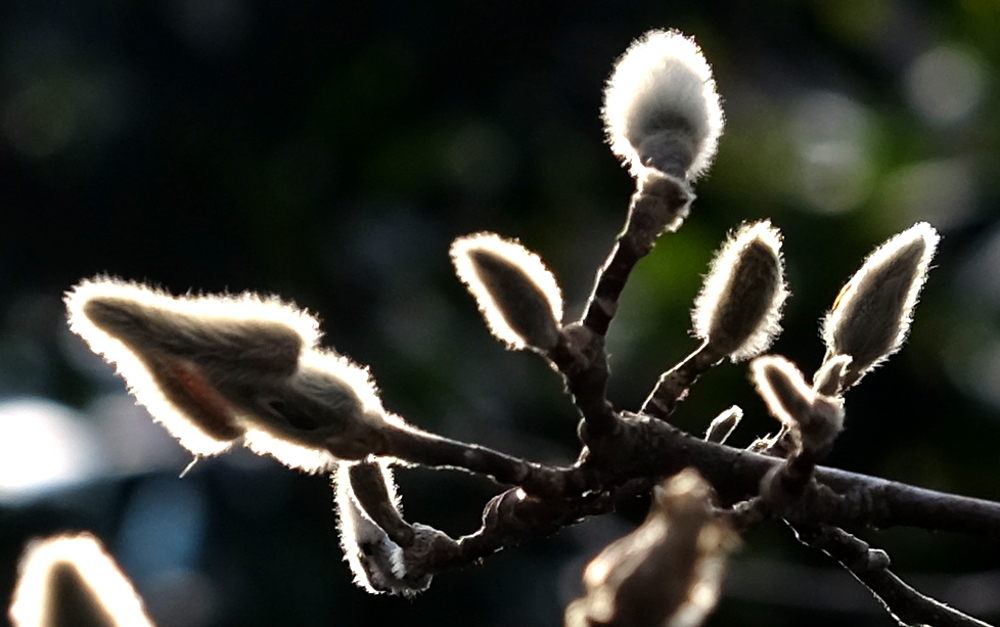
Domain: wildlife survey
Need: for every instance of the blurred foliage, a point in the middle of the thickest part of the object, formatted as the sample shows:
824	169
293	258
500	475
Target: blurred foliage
329	152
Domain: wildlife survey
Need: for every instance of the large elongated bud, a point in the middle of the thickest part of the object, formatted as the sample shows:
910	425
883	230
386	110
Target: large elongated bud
738	309
215	369
871	316
516	293
661	109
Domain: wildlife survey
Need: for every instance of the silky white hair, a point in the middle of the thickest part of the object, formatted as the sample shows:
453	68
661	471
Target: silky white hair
661	98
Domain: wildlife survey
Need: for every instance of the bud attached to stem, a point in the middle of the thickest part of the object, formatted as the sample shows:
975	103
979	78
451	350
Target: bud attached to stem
871	316
738	309
217	369
661	109
814	420
516	293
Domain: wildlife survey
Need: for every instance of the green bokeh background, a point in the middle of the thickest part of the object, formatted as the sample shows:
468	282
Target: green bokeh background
329	152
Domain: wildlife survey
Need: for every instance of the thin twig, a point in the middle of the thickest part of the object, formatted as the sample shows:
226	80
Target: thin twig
871	567
660	204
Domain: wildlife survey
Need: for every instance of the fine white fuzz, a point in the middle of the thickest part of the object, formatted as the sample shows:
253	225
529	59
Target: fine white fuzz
375	560
516	293
813	419
871	316
71	580
661	107
739	307
217	368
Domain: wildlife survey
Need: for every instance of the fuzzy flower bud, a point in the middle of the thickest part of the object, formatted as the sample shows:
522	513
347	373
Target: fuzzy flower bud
380	564
516	293
739	306
71	580
871	316
661	109
666	572
814	420
217	369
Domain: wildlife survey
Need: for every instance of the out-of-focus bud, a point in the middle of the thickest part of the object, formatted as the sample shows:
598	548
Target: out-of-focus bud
738	309
516	293
871	316
71	580
661	109
379	564
666	572
814	420
723	425
214	369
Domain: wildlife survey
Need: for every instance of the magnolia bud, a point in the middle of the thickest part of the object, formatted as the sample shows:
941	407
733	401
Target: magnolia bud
214	369
661	109
739	306
71	580
516	293
379	564
666	572
814	420
871	316
723	425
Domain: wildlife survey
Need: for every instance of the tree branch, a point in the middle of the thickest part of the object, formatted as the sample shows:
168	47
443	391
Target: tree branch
871	567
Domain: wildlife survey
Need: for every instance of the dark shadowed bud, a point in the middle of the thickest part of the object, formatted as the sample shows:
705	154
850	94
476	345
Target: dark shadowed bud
813	420
215	369
738	309
871	316
661	109
666	572
379	564
516	293
723	425
71	580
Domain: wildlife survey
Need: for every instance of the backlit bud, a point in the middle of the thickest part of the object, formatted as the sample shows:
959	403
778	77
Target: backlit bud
71	580
814	420
738	309
661	109
871	316
379	564
515	291
666	572
217	369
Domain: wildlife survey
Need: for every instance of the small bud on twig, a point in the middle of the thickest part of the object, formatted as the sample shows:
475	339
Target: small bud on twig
214	369
666	572
814	420
661	109
378	563
738	309
515	291
871	316
723	425
71	580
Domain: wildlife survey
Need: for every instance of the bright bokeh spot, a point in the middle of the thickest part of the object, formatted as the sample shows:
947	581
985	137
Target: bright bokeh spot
43	446
831	133
945	84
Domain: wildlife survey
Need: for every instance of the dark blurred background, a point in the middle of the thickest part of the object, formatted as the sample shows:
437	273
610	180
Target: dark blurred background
329	152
